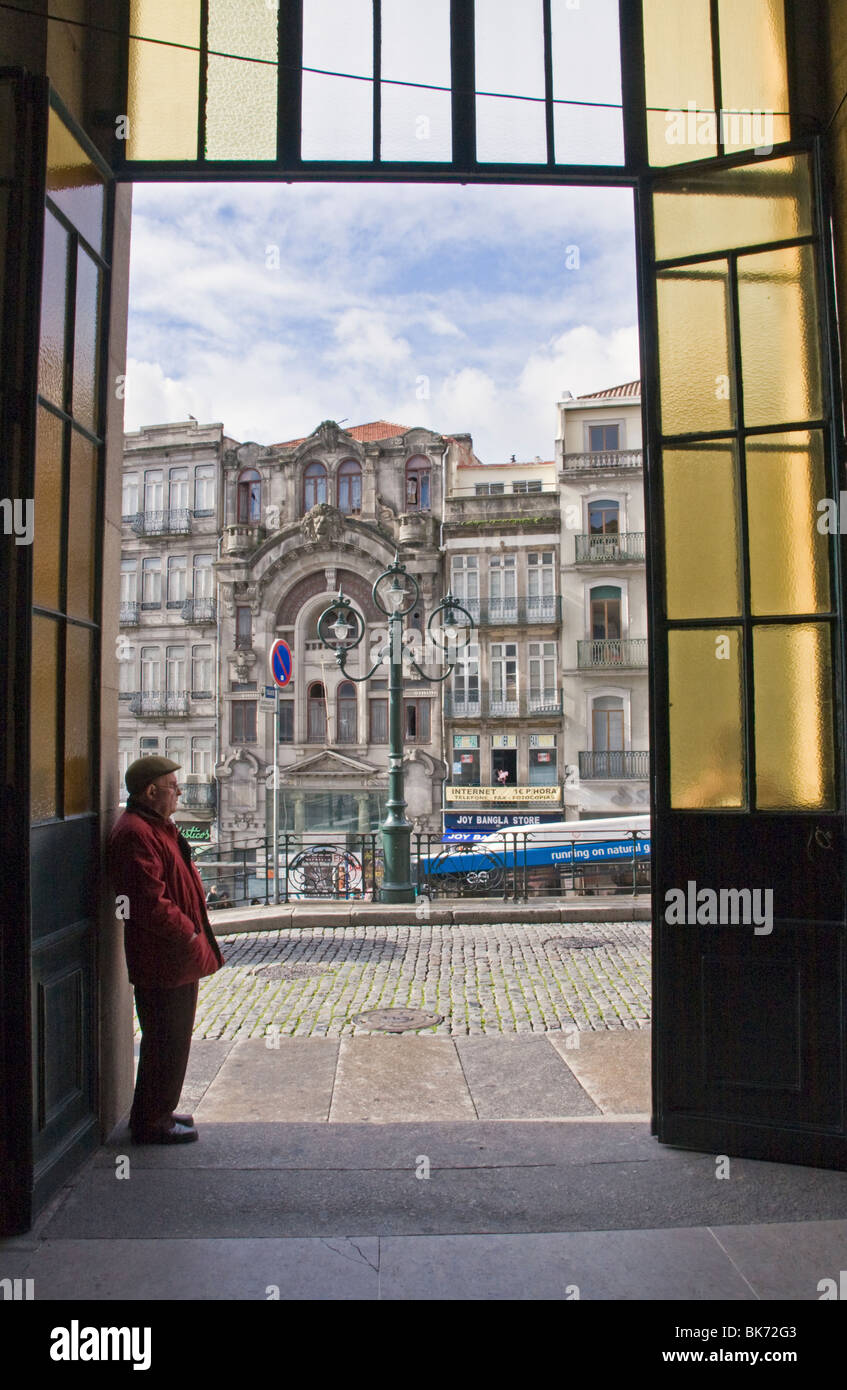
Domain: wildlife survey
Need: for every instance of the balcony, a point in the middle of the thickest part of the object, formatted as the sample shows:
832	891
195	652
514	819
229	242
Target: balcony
176	521
495	511
605	550
198	796
615	763
241	538
602	461
159	704
130	614
515	612
494	705
199	610
603	653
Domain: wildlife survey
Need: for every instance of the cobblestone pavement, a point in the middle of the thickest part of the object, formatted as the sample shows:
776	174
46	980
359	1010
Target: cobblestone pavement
484	979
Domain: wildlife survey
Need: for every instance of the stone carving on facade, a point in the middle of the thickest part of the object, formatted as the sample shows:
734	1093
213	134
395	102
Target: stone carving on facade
329	434
242	663
331	573
322	523
248	594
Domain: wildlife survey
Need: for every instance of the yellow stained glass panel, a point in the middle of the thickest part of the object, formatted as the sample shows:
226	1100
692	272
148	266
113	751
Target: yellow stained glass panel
724	208
792	670
702	573
705	712
789	557
86	341
694	316
163	82
758	88
43	720
780	357
79	684
47	535
74	183
681	122
82	527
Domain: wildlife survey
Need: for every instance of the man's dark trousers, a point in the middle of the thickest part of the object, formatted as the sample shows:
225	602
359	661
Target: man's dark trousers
167	1018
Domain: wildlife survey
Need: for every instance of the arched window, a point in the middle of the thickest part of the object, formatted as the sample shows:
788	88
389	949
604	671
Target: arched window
316	712
249	498
603	517
418	471
314	486
347	712
350	487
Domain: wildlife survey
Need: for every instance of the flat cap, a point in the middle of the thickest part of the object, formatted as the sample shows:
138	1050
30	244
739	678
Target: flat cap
145	770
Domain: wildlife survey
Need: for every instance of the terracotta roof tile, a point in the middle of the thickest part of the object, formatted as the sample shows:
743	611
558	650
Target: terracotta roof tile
629	388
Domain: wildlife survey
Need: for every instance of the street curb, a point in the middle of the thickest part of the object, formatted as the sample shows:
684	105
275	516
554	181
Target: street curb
446	913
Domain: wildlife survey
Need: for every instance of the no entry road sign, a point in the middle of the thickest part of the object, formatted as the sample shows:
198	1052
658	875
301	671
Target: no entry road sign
281	662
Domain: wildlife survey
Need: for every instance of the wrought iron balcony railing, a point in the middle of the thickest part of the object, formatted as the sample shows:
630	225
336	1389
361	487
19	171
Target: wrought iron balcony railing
495	704
174	521
500	612
603	461
612	651
199	610
157	703
615	763
599	550
130	614
199	796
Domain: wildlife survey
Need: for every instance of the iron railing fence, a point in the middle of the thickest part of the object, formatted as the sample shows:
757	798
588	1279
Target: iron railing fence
312	865
611	651
170	521
495	701
610	549
614	762
523	864
602	460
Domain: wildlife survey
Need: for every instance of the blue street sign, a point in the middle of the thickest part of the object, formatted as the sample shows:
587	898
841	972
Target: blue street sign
281	662
270	691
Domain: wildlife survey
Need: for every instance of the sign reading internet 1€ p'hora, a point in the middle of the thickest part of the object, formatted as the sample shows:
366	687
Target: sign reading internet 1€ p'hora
508	794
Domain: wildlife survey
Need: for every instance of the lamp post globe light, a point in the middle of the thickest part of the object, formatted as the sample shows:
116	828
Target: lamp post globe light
341	629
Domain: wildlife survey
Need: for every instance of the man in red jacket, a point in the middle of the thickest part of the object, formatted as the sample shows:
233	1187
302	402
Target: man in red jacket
169	944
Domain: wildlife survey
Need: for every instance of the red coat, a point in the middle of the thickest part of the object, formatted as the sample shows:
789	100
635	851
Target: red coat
167	934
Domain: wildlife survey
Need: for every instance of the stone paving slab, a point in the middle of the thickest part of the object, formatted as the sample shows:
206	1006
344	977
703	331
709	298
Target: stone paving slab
609	1265
614	1068
593	1180
520	1079
292	1081
484	978
385	1080
231	1269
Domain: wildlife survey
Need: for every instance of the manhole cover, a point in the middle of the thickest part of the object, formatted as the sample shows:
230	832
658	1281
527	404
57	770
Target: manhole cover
292	971
576	943
397	1020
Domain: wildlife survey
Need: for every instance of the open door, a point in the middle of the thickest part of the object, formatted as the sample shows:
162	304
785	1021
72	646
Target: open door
747	678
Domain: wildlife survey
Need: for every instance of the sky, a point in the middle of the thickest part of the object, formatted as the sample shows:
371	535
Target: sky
272	307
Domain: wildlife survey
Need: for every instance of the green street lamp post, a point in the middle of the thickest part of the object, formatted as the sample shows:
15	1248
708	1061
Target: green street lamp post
341	629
